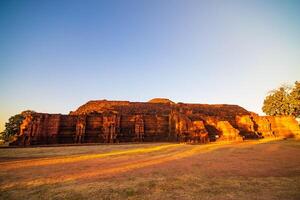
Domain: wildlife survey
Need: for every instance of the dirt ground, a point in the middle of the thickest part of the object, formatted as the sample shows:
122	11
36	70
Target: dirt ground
263	169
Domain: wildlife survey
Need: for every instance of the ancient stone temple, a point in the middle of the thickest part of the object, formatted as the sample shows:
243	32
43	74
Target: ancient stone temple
158	120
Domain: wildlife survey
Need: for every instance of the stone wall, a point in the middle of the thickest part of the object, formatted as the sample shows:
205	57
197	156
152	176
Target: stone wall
155	121
285	126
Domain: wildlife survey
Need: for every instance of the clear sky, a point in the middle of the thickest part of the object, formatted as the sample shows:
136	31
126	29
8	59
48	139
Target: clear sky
55	55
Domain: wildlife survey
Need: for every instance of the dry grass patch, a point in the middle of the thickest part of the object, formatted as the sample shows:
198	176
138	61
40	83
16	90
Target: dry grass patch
230	171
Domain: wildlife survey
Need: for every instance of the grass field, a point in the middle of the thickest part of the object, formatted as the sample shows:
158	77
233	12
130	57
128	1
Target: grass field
246	170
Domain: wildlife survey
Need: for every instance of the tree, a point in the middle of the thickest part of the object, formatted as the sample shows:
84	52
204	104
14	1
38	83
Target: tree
295	100
1	136
12	127
283	101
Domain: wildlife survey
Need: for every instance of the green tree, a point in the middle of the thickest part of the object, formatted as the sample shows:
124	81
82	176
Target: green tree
283	101
12	127
295	100
1	136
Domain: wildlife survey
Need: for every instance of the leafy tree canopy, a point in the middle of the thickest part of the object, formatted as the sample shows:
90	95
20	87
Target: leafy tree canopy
12	127
283	101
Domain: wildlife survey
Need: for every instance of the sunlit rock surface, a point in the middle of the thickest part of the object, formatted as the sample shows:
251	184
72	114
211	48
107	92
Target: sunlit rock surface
227	131
159	120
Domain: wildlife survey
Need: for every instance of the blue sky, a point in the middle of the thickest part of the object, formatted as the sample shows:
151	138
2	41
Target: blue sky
56	55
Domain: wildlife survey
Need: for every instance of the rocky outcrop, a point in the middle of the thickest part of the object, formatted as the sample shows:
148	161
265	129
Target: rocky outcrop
161	100
246	126
263	126
227	131
158	120
285	126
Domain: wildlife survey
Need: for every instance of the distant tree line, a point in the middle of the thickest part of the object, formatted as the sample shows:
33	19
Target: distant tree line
283	101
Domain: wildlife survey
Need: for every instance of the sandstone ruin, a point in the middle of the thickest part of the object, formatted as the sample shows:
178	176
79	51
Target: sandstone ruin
159	120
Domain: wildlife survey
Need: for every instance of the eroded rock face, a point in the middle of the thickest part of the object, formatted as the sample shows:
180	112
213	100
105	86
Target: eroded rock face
246	126
80	129
154	121
40	128
161	100
227	131
263	126
285	126
198	132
